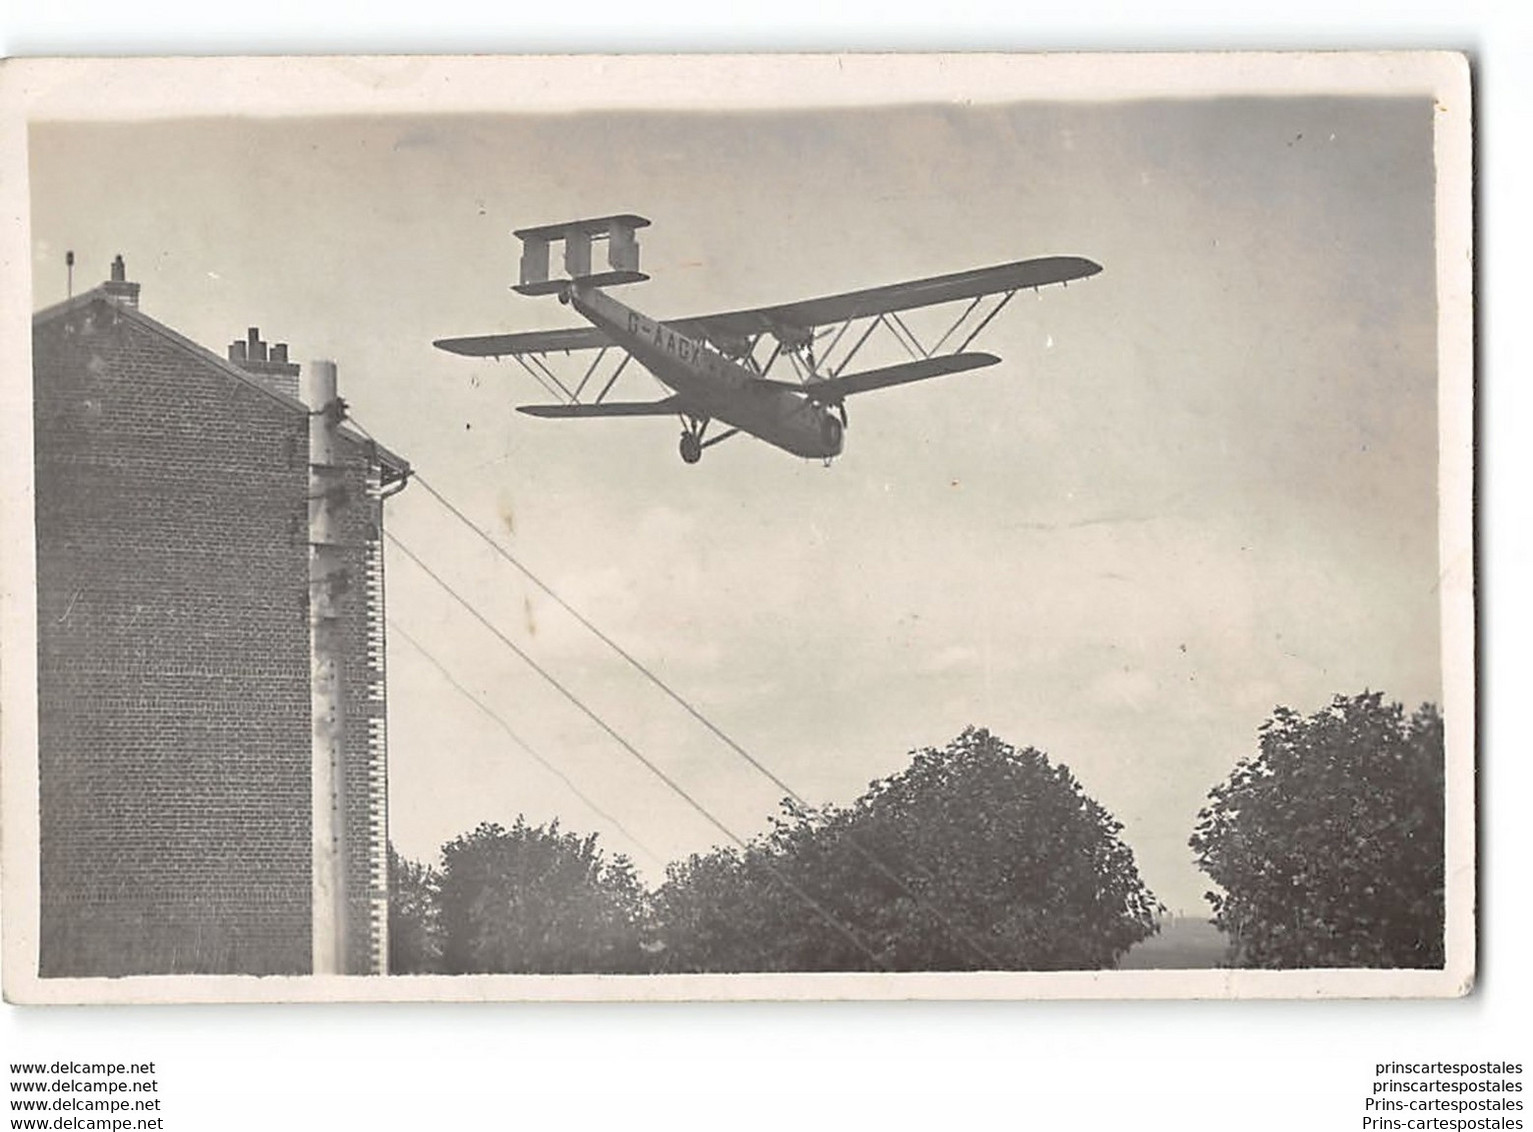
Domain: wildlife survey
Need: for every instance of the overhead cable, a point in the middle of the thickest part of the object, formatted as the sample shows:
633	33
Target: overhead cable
713	728
810	902
522	743
921	901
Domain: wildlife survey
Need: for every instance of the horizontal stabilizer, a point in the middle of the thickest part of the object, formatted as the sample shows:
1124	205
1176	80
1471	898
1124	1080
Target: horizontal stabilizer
594	279
534	342
836	389
666	408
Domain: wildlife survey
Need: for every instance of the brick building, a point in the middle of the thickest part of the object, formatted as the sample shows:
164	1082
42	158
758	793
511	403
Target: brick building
174	652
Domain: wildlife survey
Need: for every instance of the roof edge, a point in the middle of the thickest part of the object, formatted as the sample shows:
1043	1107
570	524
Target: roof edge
398	464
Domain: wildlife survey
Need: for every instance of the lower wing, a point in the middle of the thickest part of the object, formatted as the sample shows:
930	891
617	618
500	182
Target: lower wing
834	390
670	406
535	342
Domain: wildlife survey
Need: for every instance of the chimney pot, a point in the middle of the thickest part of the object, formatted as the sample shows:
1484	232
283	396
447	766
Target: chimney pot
118	286
270	363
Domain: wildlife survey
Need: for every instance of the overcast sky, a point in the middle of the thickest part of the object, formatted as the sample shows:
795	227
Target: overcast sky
1199	485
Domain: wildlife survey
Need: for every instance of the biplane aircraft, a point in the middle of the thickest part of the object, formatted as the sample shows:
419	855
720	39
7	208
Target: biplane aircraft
711	363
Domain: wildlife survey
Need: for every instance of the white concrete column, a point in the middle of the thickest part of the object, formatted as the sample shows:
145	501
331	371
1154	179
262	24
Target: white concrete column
327	580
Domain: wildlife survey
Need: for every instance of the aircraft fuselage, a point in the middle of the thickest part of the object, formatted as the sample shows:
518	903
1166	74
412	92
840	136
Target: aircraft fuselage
710	385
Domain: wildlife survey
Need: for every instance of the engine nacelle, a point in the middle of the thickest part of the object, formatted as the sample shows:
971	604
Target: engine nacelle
831	434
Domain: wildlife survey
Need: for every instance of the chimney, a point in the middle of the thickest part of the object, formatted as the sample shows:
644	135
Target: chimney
118	286
251	355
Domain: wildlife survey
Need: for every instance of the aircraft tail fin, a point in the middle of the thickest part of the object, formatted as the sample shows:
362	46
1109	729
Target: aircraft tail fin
578	237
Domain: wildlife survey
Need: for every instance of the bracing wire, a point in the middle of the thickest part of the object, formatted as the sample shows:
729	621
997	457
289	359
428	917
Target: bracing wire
810	902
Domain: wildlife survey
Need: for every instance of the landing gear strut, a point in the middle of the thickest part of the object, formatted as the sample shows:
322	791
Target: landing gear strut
692	429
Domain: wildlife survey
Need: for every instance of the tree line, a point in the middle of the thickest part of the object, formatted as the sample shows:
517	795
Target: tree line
1326	846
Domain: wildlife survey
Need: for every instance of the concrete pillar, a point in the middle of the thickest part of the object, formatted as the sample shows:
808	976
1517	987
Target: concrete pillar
327	581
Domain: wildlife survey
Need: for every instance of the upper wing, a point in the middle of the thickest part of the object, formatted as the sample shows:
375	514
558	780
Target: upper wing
805	315
665	408
535	342
834	390
895	297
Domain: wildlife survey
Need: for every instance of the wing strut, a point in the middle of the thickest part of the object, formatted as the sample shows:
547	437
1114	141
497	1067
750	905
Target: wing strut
985	321
611	381
596	361
536	360
536	376
866	334
967	311
910	342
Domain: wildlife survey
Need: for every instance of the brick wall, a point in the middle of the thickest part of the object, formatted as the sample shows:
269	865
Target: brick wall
173	650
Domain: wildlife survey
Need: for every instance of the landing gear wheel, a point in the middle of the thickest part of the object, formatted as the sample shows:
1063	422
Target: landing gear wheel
691	447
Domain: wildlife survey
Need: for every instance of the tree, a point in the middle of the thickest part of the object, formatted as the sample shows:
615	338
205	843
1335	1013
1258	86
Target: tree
414	938
1328	844
528	900
978	856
